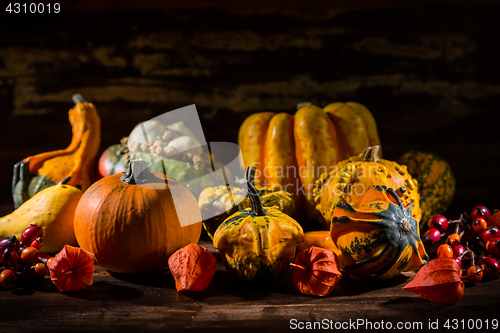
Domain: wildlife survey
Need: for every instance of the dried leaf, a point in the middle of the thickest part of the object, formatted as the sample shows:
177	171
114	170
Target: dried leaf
315	271
438	281
72	269
494	220
193	267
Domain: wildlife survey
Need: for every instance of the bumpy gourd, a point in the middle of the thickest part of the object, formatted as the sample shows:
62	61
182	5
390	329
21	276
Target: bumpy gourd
436	182
351	178
257	244
379	239
293	151
220	202
37	172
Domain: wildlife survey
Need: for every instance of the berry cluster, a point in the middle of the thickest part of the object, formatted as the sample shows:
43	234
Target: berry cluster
23	260
473	236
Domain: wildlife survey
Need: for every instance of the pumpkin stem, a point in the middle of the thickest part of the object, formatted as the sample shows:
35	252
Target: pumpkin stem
371	154
77	98
138	174
253	194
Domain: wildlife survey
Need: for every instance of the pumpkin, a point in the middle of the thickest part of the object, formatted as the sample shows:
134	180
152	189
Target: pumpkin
72	269
379	238
220	202
257	244
293	151
436	182
53	209
132	224
351	178
34	173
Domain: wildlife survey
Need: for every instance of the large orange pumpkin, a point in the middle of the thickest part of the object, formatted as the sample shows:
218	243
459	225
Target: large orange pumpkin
131	223
293	151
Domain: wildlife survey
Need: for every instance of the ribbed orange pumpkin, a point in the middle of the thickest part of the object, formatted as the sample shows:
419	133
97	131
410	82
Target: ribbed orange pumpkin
130	222
293	151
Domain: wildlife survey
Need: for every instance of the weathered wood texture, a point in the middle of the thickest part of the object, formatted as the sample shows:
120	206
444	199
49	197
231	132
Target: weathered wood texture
118	303
428	73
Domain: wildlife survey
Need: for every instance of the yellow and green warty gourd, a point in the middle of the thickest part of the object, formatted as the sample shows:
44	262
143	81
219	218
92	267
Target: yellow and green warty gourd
219	202
379	239
257	244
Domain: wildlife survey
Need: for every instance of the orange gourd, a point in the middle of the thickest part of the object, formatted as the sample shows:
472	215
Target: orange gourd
71	269
350	180
132	224
293	151
76	162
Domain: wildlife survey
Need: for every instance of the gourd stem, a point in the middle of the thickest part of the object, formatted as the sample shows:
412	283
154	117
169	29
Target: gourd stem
77	98
253	195
138	174
371	154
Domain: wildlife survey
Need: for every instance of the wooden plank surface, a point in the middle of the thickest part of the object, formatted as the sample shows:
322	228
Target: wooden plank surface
121	303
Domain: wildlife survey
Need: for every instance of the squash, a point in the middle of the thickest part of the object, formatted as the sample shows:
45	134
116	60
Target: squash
257	244
317	238
220	202
436	182
53	209
133	222
351	178
34	173
293	151
115	159
379	238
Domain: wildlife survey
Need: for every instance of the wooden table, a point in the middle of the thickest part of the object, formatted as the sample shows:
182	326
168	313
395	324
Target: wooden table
121	303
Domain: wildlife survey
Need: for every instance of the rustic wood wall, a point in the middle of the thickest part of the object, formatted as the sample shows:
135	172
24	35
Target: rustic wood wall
428	73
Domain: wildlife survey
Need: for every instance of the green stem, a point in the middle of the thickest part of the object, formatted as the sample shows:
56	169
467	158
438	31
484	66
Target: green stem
253	195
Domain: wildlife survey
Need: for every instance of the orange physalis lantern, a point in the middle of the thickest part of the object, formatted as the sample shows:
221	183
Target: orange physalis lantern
193	267
72	269
438	281
315	271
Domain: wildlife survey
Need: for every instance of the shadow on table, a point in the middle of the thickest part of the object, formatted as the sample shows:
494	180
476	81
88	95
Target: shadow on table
161	279
103	290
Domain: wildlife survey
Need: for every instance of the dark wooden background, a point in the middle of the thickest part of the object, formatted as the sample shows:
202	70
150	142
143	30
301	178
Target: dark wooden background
428	71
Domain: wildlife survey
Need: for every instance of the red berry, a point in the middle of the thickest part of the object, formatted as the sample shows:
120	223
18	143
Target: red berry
479	225
7	277
29	254
458	250
444	251
458	261
480	211
439	222
432	236
30	234
491	232
491	267
41	269
476	274
9	242
493	247
10	257
38	243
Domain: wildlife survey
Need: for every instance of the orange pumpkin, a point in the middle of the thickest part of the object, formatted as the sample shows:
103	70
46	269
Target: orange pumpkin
293	151
131	223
